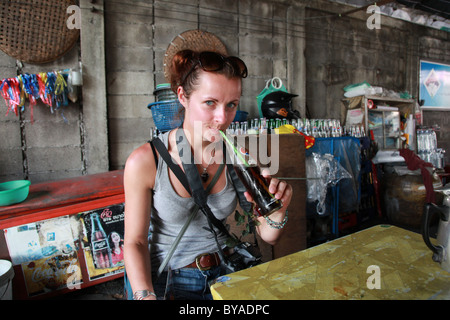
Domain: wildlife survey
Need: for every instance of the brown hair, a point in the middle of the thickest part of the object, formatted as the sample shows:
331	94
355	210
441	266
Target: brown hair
185	69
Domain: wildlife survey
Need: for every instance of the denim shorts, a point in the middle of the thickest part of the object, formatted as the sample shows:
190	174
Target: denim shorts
181	284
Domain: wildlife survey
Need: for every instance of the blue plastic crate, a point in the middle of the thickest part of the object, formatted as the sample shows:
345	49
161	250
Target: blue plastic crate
166	114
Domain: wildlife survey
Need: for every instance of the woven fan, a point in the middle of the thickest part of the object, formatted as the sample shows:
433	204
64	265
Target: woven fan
196	40
35	31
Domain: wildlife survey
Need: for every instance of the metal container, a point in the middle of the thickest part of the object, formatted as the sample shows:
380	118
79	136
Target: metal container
404	196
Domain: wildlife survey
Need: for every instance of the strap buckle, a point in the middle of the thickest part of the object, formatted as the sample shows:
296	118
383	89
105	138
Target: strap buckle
197	262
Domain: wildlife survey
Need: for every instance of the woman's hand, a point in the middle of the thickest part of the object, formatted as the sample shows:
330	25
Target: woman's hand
282	191
279	188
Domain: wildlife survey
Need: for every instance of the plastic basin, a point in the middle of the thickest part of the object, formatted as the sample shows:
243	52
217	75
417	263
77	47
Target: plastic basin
12	192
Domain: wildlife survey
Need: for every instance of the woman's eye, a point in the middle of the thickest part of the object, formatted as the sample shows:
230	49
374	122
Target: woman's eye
209	103
232	105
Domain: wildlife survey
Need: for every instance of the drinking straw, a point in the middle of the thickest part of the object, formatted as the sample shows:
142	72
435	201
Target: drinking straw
234	148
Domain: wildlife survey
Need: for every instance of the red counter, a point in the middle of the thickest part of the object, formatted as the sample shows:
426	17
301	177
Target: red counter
50	239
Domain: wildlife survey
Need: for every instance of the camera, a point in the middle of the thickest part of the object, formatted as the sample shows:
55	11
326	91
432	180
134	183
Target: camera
245	255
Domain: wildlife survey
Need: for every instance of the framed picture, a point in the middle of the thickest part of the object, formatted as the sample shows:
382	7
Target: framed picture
434	85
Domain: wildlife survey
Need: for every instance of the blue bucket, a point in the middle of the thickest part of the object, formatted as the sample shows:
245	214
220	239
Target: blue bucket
240	116
166	114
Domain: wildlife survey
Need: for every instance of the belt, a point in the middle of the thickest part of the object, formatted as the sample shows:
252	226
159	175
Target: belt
205	261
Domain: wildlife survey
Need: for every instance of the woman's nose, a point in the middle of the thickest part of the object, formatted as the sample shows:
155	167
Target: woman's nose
220	115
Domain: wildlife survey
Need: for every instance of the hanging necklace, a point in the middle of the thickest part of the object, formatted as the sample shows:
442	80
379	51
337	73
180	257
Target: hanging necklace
205	174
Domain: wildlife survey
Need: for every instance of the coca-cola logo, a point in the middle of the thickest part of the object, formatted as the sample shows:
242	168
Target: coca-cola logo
99	245
43	273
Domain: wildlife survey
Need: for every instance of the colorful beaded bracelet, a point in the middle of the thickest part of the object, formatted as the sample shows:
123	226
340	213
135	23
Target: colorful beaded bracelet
277	225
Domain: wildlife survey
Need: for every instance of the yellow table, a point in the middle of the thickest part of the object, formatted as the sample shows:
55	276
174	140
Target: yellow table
340	269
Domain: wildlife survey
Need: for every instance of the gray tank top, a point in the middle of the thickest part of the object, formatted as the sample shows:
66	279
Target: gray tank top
170	212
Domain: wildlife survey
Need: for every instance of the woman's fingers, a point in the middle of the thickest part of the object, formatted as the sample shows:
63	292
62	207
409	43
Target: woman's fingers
279	188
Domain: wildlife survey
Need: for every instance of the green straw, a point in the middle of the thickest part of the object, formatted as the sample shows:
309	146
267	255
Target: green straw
234	148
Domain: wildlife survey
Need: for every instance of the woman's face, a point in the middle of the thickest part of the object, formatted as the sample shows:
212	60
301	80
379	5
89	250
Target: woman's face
115	237
211	106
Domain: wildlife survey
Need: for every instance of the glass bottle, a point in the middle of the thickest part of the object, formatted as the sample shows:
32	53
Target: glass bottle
249	173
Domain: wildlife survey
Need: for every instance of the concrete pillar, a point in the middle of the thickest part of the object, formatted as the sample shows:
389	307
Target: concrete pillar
296	71
94	86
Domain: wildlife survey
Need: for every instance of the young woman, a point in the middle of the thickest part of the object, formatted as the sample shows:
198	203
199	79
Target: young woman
209	87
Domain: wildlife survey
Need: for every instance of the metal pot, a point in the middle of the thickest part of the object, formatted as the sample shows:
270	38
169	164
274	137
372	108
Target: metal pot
404	197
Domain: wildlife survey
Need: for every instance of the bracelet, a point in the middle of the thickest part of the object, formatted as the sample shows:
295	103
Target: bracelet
277	225
141	294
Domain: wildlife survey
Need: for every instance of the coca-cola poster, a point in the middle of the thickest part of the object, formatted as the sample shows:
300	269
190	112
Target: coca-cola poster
47	254
103	240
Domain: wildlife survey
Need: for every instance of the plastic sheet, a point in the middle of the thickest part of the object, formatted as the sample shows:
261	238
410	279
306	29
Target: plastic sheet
325	171
346	152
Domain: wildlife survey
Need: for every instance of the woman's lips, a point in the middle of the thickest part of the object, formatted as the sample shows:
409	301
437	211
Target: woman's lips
215	134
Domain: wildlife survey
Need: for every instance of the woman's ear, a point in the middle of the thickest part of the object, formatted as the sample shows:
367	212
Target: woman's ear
181	96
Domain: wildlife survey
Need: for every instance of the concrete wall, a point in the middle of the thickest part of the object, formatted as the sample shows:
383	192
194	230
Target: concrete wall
49	148
342	51
138	35
122	47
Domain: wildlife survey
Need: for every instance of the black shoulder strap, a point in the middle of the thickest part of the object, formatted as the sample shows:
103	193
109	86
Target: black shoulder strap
238	186
196	188
193	185
159	145
198	193
190	169
154	151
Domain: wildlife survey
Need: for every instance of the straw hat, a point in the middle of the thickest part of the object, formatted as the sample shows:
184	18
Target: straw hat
197	40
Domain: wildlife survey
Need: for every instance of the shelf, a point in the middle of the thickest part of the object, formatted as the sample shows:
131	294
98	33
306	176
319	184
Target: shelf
389	99
386	120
